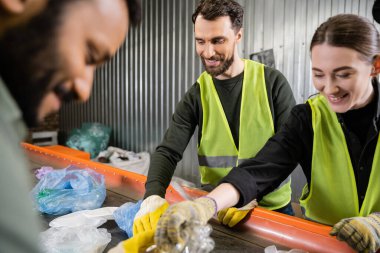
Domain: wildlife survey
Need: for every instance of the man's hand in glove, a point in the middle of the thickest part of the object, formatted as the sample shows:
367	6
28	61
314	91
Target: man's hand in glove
171	228
361	233
231	216
150	212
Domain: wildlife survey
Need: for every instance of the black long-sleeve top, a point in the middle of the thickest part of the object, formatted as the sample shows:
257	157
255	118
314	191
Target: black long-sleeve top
189	114
293	145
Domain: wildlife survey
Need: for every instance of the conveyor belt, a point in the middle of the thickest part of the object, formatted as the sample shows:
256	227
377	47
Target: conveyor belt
264	227
224	241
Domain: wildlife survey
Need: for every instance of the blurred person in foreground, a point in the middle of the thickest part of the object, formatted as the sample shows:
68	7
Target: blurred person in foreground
49	50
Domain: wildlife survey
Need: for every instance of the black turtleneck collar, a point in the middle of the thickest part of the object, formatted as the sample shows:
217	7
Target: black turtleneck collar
373	107
359	121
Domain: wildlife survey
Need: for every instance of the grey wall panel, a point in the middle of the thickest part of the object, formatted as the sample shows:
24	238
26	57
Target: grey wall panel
136	92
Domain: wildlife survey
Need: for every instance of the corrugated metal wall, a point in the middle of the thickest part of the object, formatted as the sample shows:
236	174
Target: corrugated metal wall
287	26
137	91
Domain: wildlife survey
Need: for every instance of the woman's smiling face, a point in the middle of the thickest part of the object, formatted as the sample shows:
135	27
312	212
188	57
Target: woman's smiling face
343	76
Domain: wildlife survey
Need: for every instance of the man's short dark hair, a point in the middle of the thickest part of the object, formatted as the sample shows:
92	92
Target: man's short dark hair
134	8
212	9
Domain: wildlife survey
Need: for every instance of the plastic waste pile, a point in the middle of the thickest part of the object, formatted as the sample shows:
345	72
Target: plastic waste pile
91	138
68	190
78	232
126	160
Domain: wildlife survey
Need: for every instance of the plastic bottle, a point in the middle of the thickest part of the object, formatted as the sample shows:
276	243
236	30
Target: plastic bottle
198	240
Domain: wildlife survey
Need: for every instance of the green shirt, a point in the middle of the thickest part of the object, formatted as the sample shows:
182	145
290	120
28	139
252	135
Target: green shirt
19	227
188	115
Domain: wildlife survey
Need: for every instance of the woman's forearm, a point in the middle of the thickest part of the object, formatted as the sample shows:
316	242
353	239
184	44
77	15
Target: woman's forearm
225	195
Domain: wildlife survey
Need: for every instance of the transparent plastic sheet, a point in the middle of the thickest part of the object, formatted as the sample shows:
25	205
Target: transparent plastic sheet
41	172
125	215
273	249
198	240
74	240
85	218
69	190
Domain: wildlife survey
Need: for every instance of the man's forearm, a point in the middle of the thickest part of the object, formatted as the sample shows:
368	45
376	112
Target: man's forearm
160	173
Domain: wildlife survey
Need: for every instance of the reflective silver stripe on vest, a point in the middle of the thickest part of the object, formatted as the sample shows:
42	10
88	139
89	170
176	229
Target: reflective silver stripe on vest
217	161
227	162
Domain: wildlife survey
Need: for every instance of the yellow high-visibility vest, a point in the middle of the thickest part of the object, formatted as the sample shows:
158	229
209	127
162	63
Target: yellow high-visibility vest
217	152
332	194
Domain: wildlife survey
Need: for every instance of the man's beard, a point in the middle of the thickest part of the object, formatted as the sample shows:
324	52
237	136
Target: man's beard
29	61
223	67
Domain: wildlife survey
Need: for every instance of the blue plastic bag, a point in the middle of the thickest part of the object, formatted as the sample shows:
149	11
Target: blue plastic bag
69	190
125	215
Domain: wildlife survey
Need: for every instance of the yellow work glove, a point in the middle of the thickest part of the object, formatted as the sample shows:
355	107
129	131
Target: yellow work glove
172	228
232	216
150	212
136	244
361	233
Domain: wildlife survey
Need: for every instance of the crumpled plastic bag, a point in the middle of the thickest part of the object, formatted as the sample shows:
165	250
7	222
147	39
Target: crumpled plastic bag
126	160
85	218
273	249
74	240
125	215
41	172
69	190
91	138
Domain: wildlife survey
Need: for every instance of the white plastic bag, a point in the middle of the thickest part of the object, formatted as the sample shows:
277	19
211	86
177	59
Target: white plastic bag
126	160
77	232
85	218
74	240
273	249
